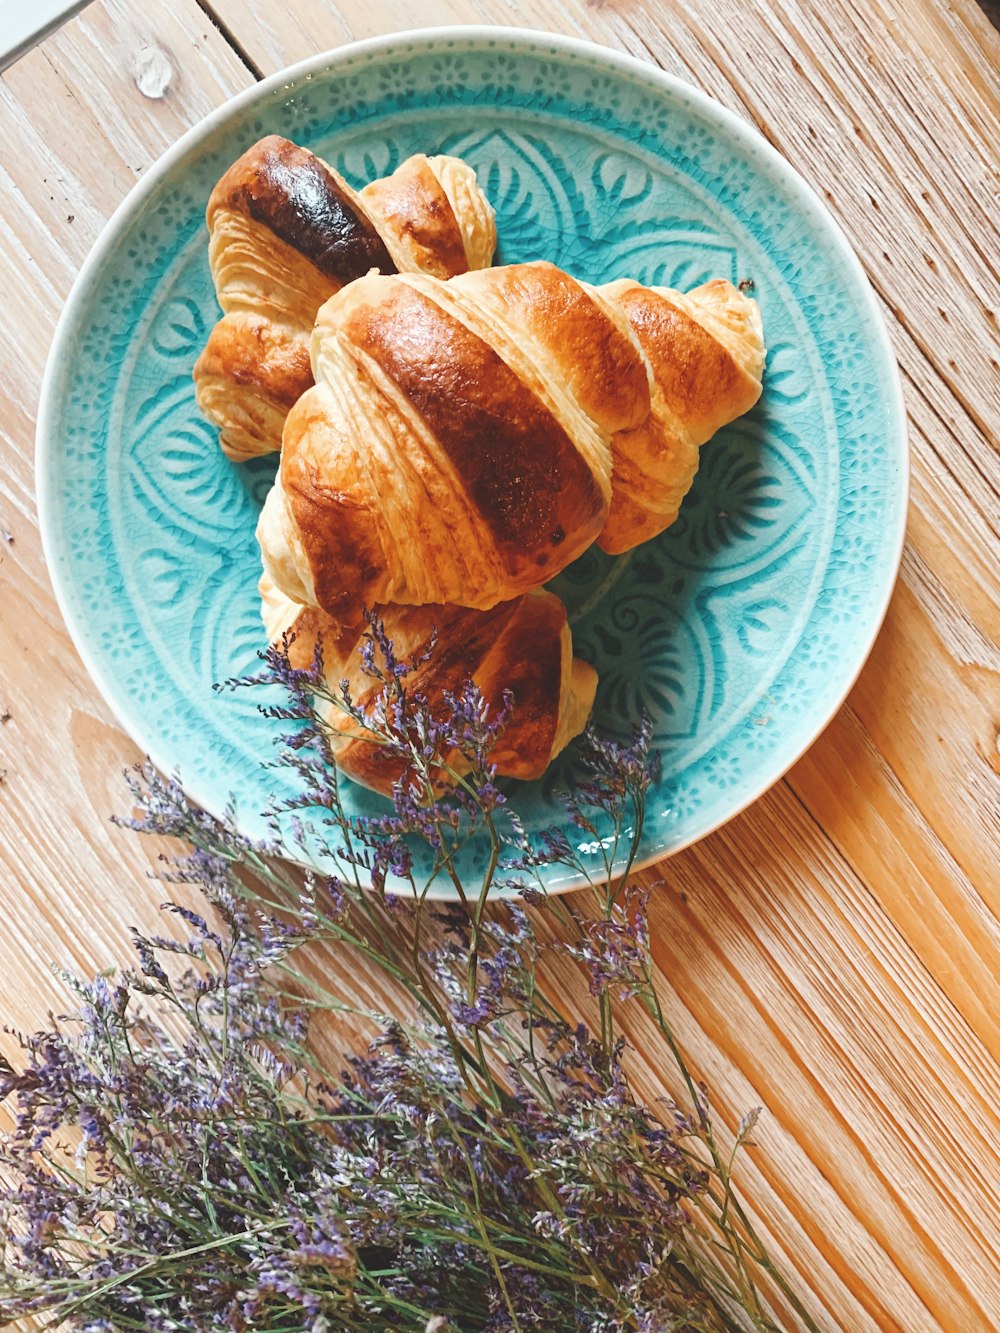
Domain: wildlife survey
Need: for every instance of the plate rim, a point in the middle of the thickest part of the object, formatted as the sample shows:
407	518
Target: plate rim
743	132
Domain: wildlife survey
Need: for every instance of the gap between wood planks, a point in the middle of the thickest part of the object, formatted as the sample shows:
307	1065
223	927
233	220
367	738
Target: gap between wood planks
228	36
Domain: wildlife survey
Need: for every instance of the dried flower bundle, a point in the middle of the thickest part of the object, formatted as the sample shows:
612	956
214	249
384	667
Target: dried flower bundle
180	1161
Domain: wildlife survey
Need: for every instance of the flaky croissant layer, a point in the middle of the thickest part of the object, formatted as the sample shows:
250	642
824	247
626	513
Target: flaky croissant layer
466	440
522	646
286	232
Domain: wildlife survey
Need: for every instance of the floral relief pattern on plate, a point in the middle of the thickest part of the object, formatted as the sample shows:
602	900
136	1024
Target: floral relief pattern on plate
738	630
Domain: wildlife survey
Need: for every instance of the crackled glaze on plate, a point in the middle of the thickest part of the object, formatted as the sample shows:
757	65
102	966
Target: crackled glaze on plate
739	630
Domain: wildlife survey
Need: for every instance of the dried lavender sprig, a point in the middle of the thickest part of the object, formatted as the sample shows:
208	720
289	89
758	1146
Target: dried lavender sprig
577	1196
621	774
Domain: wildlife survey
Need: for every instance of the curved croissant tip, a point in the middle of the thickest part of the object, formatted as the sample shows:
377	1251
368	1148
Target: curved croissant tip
740	313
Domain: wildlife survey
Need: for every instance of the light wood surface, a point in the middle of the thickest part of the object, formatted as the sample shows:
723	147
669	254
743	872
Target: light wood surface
834	953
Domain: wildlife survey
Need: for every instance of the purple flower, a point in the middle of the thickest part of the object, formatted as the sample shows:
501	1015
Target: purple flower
181	1159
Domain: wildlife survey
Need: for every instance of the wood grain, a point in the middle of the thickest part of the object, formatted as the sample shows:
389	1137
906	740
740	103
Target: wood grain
834	953
76	132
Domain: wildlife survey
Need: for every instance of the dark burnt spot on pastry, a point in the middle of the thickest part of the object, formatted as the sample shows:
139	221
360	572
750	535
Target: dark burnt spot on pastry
292	193
519	467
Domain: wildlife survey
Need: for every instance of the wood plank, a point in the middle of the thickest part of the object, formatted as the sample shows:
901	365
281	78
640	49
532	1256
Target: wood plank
777	925
759	926
925	895
76	130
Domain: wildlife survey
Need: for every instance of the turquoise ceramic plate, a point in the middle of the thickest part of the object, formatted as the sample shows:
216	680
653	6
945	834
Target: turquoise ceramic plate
740	630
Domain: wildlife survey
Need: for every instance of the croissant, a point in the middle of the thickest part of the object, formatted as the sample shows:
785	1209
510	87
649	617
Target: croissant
706	356
286	233
523	646
466	440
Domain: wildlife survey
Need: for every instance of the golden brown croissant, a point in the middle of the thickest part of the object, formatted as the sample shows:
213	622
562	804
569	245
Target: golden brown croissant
286	233
706	353
461	440
523	646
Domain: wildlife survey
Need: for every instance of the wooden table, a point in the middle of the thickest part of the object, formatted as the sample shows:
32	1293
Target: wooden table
834	953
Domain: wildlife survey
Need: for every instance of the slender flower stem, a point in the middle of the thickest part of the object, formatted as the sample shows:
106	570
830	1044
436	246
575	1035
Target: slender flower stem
158	1263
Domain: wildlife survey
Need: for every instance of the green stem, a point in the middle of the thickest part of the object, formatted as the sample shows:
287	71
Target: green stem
160	1261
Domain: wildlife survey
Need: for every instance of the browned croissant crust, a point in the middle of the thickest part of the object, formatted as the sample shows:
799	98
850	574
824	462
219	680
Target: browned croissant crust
286	233
706	353
523	646
463	438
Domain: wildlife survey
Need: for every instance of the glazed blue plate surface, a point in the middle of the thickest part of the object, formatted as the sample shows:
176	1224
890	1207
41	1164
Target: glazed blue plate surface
739	630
